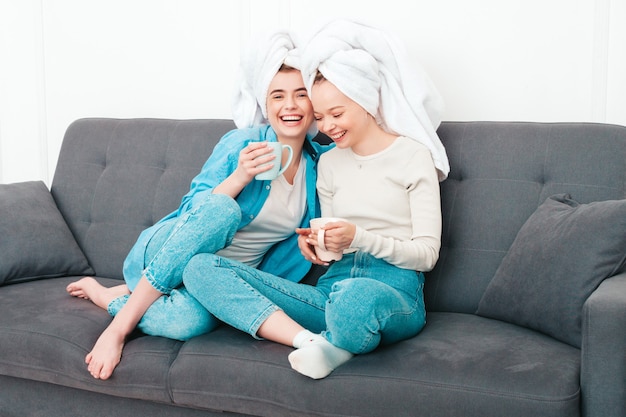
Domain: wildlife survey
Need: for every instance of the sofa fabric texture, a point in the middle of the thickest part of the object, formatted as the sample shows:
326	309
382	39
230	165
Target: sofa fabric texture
116	177
46	246
559	257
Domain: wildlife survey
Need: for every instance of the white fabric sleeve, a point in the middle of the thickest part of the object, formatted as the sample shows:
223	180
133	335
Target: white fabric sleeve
421	252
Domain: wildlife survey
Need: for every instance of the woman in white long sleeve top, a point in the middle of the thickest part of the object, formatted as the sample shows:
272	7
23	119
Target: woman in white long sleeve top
384	184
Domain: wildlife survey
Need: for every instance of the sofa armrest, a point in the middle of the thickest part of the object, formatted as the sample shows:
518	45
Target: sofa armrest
603	356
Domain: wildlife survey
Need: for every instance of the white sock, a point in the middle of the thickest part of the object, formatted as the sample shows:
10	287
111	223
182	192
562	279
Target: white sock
315	356
302	337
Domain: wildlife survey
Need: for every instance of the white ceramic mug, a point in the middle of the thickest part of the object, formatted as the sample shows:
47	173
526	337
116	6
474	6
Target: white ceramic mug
322	253
277	170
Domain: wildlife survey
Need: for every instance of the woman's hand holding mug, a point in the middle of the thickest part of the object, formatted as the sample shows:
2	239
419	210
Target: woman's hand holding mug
329	237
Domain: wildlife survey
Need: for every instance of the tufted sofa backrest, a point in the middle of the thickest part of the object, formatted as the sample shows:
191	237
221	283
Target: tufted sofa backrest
116	177
500	173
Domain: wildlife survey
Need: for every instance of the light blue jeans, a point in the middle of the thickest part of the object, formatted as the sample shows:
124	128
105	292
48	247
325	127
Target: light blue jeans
208	227
360	303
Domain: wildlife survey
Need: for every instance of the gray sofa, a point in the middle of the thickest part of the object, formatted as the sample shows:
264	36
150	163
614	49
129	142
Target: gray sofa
517	324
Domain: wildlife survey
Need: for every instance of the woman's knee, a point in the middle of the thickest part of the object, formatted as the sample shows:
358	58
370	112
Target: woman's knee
209	225
219	208
359	294
360	312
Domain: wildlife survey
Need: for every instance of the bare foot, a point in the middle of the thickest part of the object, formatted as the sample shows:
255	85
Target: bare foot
106	354
90	289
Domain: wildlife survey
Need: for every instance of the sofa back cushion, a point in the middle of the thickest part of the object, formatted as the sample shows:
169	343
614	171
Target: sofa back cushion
559	257
500	173
116	177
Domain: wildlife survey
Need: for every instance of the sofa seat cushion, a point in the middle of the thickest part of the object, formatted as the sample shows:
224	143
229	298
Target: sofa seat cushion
45	334
460	365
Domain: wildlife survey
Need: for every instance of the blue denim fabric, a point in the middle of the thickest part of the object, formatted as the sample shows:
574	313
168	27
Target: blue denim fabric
208	227
223	161
161	254
176	316
360	303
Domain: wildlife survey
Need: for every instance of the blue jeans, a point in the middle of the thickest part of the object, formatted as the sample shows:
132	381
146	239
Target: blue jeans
360	303
206	228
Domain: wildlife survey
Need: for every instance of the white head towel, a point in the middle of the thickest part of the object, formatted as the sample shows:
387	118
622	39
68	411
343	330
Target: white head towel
259	64
371	67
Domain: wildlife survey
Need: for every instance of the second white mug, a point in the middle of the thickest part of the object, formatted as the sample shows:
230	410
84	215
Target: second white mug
322	253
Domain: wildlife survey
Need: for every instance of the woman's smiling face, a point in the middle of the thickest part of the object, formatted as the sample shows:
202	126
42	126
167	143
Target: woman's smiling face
289	109
339	117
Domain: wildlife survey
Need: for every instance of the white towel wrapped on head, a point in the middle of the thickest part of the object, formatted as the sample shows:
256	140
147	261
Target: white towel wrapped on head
371	67
259	63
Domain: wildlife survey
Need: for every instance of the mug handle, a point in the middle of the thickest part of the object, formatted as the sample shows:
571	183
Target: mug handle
320	239
284	168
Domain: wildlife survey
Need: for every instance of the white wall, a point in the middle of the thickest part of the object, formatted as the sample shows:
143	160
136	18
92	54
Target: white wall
528	60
